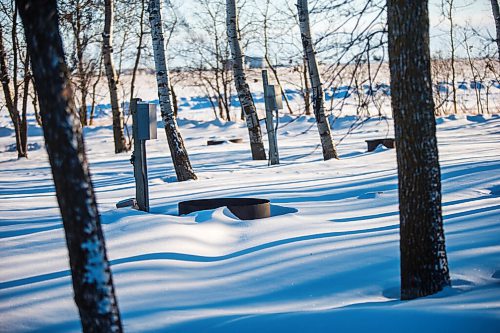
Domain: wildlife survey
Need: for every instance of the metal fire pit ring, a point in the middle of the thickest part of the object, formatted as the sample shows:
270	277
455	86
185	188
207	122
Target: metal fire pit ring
221	141
373	144
243	208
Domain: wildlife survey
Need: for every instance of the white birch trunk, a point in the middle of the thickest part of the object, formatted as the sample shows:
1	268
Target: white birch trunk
178	152
318	97
496	15
244	94
107	51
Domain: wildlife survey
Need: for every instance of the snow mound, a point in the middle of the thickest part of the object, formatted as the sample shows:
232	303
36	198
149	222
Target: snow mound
477	118
5	131
380	148
31	147
494	190
370	195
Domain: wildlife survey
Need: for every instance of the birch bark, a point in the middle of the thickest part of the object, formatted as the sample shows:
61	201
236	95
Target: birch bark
107	52
90	269
244	94
424	264
496	16
178	152
318	97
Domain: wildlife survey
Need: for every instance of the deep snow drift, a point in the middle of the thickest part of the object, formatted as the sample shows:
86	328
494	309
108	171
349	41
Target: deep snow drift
326	261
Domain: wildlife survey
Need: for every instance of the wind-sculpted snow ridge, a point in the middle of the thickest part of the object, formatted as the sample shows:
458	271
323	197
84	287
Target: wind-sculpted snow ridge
326	260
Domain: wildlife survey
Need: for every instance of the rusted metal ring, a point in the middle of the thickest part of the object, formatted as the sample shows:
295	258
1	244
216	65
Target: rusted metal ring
236	140
221	141
243	208
215	142
373	144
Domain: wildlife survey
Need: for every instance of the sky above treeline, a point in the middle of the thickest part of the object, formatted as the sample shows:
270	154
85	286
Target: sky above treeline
473	13
476	13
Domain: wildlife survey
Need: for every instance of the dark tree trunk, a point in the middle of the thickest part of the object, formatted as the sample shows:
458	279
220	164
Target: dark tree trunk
307	94
107	53
24	120
83	107
81	73
92	280
93	94
244	94
11	103
424	264
34	102
496	16
174	101
225	76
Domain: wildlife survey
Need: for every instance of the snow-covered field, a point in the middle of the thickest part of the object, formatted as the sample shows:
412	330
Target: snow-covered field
326	261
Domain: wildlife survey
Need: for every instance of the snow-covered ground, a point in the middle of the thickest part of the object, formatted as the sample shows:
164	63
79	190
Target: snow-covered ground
326	261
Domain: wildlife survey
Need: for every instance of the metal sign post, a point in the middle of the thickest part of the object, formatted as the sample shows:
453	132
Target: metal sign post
273	102
143	128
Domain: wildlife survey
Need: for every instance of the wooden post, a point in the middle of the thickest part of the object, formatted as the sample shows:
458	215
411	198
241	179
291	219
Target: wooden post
139	161
269	100
144	174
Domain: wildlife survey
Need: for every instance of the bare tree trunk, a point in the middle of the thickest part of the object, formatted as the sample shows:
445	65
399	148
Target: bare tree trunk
107	51
83	106
474	72
92	280
452	55
34	101
94	88
23	128
217	69
174	100
496	15
77	29
9	101
218	89
139	49
307	93
318	95
424	264
15	61
178	152
244	94
226	84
